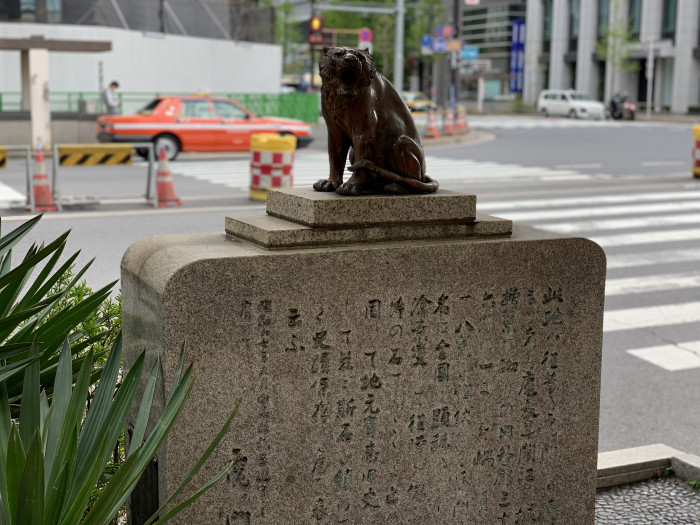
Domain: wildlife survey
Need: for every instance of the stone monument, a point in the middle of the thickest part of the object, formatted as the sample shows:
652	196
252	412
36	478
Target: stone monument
405	360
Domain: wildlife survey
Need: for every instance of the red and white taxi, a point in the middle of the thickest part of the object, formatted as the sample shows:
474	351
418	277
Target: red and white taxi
196	123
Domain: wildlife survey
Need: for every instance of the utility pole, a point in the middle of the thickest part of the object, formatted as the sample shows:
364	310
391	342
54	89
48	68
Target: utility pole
454	91
650	76
398	45
311	49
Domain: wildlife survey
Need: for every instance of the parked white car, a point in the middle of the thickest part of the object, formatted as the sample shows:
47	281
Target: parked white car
569	103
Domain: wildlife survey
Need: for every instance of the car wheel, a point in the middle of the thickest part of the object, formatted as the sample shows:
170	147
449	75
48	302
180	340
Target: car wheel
170	143
544	112
572	114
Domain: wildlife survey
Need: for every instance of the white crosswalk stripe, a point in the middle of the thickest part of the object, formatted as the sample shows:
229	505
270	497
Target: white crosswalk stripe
623	222
636	260
310	167
652	316
626	209
531	122
656	283
8	194
671	357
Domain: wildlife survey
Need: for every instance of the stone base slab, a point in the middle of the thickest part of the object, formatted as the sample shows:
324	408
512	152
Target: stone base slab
433	382
642	463
328	209
275	233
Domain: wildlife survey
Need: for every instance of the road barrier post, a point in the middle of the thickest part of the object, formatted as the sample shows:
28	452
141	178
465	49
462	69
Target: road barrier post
102	155
271	163
696	150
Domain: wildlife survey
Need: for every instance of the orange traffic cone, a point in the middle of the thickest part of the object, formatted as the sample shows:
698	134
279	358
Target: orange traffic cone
462	120
41	189
433	132
164	183
450	123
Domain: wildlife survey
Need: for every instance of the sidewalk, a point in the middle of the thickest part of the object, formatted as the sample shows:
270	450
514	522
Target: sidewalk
647	486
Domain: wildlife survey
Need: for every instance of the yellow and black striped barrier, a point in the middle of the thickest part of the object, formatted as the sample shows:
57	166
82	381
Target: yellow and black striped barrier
94	154
3	157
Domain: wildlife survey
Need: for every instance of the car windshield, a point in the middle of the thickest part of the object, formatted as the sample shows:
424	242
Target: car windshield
148	108
580	96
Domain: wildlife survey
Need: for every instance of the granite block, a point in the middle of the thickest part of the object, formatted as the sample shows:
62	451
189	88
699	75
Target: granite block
275	233
432	382
328	209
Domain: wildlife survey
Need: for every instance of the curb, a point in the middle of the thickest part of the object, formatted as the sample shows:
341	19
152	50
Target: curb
472	137
641	463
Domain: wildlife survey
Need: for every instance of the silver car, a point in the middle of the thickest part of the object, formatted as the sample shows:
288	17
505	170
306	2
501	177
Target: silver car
569	103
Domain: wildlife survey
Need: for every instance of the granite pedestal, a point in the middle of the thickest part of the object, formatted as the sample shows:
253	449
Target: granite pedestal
440	369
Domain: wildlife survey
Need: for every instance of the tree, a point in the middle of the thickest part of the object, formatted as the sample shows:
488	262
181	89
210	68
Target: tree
615	46
422	22
287	32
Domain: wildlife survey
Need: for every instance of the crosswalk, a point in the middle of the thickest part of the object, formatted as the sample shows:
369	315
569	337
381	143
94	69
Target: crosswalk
532	122
647	235
312	166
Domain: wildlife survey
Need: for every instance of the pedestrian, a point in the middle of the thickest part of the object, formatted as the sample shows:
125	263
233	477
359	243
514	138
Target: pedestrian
110	98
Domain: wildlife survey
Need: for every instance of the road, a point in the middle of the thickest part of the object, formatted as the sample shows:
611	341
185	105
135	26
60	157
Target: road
626	185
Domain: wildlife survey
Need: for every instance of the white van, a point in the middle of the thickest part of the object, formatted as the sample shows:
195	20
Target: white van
569	103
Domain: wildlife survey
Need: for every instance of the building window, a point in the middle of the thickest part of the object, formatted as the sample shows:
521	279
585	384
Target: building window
668	27
547	40
635	17
574	12
603	17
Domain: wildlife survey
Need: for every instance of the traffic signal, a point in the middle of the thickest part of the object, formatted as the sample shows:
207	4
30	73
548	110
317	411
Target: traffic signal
315	34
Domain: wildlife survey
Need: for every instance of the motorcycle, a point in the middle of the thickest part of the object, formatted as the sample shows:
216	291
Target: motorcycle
621	108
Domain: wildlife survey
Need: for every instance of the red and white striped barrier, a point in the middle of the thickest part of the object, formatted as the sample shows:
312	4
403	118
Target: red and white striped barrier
271	164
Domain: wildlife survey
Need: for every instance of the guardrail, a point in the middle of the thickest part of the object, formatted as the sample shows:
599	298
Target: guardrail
302	106
100	155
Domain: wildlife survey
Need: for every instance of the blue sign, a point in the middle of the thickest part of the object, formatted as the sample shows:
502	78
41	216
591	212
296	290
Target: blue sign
517	56
445	31
470	53
440	45
426	41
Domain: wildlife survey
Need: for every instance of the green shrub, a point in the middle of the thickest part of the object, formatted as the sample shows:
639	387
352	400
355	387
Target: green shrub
58	339
53	457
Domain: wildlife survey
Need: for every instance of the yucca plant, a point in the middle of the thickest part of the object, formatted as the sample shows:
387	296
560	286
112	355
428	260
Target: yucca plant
53	456
33	307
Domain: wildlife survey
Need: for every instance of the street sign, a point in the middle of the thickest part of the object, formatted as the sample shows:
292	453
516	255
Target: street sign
365	34
471	2
366	45
445	31
453	44
470	53
479	65
517	56
439	45
426	41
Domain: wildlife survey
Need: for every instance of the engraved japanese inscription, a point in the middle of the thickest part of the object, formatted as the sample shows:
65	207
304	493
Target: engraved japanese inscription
444	403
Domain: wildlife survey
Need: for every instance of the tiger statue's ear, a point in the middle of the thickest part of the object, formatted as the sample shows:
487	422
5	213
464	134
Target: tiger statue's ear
366	52
326	50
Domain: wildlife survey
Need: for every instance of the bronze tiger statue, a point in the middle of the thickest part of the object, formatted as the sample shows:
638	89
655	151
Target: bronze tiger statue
366	117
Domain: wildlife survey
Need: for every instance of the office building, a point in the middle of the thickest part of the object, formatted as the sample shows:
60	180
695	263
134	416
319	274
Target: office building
226	19
488	26
659	40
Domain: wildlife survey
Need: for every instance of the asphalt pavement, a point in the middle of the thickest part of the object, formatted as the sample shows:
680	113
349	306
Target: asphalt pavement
627	186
